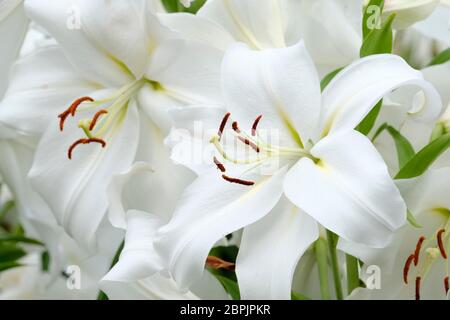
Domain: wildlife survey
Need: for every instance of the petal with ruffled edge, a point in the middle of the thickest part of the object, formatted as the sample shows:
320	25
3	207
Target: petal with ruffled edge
354	92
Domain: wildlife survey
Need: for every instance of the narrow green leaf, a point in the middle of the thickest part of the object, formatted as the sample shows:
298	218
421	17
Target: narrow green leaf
368	122
20	239
9	253
412	220
379	41
405	150
8	265
441	58
299	296
352	273
332	244
327	79
176	6
420	163
438	131
372	16
170	5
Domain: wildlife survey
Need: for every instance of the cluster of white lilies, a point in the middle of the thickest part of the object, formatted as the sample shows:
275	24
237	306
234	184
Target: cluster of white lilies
224	149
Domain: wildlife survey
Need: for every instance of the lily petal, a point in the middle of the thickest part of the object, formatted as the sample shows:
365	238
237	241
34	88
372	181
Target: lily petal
349	191
354	92
270	250
280	84
107	40
79	200
209	209
42	85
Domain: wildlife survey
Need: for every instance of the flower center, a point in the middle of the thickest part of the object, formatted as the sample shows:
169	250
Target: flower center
435	247
110	114
262	151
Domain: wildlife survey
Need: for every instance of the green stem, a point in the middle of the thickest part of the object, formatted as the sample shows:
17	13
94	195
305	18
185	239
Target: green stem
352	273
332	243
101	294
320	249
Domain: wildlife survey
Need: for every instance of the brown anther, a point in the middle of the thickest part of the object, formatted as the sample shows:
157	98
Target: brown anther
441	243
446	284
84	141
417	251
62	118
219	165
236	127
95	118
217	263
71	110
418	281
76	104
238	181
255	125
249	143
223	124
406	268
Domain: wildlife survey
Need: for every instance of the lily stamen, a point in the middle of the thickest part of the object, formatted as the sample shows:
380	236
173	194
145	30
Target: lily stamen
219	165
407	267
236	127
418	282
255	125
96	117
84	141
446	284
238	181
441	243
417	251
223	124
217	263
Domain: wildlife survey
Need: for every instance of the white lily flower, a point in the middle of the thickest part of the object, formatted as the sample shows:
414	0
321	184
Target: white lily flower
415	265
437	26
13	27
119	71
328	173
263	24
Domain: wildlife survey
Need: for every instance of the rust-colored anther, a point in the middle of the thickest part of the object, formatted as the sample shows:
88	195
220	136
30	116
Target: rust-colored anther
446	284
71	110
76	104
255	125
84	141
219	165
217	263
223	124
238	181
406	268
96	117
418	282
249	143
62	118
441	243
417	251
235	127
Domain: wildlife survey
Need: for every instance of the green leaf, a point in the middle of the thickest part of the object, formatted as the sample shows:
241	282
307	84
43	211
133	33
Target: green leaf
10	253
379	41
195	6
227	253
170	5
405	150
420	163
20	239
230	286
412	220
372	16
9	265
368	122
298	296
441	58
176	6
327	79
439	130
321	252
